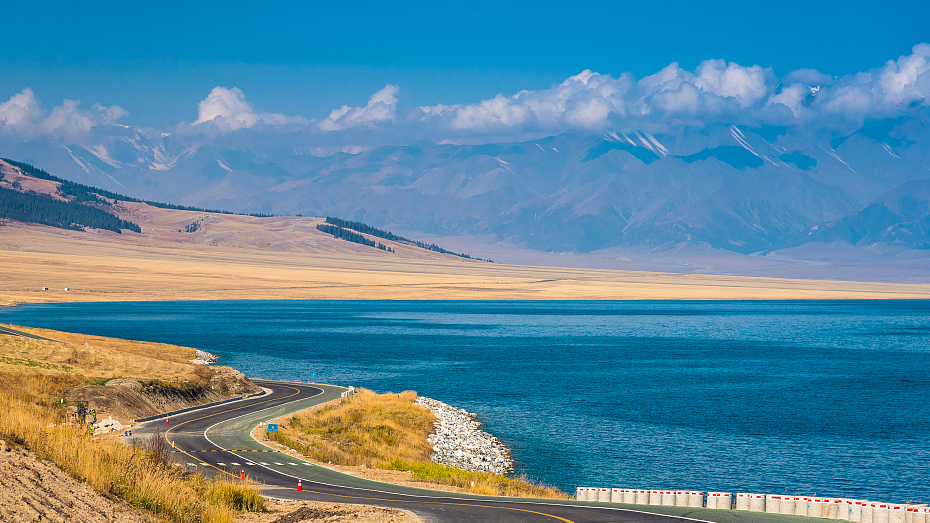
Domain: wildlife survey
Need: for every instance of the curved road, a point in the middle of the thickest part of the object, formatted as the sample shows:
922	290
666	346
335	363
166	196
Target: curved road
216	440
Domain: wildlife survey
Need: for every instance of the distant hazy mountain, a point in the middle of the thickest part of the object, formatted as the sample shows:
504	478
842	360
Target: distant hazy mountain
736	188
899	216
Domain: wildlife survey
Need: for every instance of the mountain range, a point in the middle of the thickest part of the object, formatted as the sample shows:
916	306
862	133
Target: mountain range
735	189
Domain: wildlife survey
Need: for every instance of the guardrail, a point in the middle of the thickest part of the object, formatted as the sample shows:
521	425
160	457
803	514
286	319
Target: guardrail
352	390
854	510
198	407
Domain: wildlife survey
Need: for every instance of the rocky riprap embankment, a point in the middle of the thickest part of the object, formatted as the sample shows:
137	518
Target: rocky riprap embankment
205	358
459	442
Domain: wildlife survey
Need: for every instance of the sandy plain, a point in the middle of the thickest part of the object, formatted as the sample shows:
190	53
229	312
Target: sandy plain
249	258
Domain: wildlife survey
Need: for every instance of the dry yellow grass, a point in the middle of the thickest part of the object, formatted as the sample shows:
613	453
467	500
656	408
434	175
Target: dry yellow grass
241	257
101	357
388	431
132	473
367	428
35	374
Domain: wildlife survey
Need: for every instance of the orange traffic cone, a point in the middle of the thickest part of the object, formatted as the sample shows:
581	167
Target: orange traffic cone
300	487
243	475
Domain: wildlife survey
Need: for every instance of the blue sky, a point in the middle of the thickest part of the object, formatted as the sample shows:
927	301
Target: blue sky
157	62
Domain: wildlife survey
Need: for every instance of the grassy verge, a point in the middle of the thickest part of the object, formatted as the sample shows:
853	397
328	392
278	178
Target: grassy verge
388	431
367	429
486	483
31	416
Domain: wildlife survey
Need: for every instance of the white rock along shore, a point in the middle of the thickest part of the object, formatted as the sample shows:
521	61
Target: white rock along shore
459	442
205	358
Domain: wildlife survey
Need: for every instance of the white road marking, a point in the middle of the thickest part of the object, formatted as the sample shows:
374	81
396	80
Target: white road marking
451	497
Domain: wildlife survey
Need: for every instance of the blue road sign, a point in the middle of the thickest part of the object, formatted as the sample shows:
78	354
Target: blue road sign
272	427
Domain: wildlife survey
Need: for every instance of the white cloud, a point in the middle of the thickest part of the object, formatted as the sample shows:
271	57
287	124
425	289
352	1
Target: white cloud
792	97
852	97
23	116
714	92
746	84
380	108
67	119
585	100
908	79
229	110
20	112
881	92
592	101
498	112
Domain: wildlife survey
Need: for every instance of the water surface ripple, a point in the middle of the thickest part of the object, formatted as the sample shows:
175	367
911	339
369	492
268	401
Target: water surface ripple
816	397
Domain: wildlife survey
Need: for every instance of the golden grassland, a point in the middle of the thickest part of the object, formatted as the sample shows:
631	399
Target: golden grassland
242	257
388	431
96	356
35	374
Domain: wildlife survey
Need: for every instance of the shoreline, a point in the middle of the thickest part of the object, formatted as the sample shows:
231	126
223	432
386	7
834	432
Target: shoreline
458	441
489	459
880	298
695	484
394	477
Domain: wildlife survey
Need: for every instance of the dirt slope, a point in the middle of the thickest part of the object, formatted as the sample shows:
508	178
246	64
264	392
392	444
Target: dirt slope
134	379
126	399
33	490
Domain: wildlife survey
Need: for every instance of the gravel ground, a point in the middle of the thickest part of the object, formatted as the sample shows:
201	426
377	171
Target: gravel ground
35	490
299	511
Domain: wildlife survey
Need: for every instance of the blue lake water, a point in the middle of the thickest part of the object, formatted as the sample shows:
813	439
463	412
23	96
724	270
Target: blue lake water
814	397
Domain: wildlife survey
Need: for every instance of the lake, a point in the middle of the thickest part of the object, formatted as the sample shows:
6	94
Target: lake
815	397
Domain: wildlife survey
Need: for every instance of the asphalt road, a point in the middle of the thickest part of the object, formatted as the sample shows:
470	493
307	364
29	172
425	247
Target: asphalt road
21	334
217	441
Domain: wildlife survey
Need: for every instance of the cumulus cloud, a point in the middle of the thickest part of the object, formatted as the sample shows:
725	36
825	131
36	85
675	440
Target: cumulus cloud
908	79
381	107
22	115
229	110
592	101
585	100
70	120
746	84
20	112
795	98
716	91
882	92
